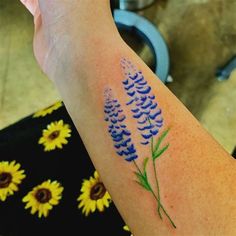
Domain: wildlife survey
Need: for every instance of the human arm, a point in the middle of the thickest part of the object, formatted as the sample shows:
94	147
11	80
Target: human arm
195	196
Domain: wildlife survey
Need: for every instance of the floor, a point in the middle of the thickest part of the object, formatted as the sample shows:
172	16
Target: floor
200	34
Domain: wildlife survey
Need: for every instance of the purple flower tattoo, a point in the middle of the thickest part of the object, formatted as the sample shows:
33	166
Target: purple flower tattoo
148	116
144	107
121	136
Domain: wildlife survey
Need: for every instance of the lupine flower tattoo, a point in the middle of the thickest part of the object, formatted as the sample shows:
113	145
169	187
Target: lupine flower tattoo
121	136
149	121
144	107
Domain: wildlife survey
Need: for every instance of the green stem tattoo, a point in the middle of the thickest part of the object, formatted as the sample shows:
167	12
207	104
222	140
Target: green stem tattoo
144	182
156	179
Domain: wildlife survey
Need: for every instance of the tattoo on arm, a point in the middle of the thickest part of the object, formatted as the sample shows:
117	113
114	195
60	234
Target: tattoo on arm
148	117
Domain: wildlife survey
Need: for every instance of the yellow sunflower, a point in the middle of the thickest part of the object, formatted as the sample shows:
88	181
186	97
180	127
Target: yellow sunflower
126	228
43	197
94	195
10	177
48	110
55	135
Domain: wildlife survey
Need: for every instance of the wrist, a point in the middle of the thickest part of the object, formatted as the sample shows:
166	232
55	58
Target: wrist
79	45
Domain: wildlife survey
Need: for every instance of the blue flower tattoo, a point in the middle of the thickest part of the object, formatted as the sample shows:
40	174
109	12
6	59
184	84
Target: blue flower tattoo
145	109
148	116
121	136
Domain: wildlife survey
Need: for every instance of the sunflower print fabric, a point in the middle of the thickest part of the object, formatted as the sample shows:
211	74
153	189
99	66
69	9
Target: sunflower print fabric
93	195
48	184
43	197
48	110
55	135
10	177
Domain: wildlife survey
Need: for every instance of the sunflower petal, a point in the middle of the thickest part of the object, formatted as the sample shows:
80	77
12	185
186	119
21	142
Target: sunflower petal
100	205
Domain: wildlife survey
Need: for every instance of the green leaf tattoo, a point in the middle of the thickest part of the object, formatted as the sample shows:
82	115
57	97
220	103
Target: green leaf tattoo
143	181
159	141
160	152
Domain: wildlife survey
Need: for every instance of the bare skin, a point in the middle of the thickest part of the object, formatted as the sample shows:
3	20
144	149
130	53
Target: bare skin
78	47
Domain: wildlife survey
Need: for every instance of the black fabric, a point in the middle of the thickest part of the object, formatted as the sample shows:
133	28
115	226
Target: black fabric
234	153
69	166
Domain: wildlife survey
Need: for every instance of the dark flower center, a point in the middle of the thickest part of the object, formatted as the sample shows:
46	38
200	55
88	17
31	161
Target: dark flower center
97	191
43	195
5	179
54	134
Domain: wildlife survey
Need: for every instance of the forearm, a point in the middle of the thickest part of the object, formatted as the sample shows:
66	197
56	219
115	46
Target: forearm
195	175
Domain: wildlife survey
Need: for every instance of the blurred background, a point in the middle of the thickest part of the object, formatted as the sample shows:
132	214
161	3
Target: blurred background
200	36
